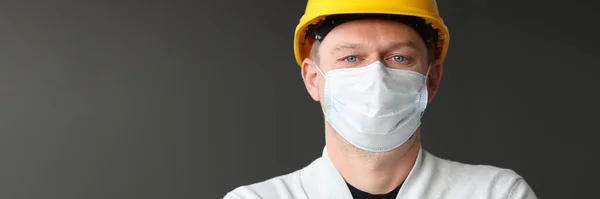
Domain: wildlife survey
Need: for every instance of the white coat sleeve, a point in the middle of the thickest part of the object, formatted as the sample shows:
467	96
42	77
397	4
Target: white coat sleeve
521	190
232	196
242	193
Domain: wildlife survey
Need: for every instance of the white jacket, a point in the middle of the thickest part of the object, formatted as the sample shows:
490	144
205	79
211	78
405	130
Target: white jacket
430	177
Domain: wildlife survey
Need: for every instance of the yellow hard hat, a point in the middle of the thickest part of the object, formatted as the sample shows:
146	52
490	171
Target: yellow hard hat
317	10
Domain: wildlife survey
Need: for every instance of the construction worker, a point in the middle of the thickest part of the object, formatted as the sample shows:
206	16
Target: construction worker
374	66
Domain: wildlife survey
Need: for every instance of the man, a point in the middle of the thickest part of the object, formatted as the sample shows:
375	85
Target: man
374	66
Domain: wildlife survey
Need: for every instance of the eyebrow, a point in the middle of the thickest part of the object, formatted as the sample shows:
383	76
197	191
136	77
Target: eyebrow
391	46
403	44
345	46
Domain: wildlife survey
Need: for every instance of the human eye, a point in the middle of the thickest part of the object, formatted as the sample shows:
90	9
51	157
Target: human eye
350	59
398	58
399	61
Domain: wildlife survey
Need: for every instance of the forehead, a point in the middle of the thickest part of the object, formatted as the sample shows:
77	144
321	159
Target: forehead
373	33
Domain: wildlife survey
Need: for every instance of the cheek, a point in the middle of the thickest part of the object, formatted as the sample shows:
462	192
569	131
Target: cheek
321	91
321	84
321	87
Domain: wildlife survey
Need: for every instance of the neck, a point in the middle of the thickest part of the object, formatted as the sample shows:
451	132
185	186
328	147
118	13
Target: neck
374	173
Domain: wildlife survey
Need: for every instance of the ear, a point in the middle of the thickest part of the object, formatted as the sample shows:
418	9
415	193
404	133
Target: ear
311	78
434	78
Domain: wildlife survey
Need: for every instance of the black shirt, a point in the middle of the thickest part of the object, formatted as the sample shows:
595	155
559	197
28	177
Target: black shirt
358	194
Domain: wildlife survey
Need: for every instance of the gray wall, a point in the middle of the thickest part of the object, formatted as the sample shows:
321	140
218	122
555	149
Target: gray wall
184	99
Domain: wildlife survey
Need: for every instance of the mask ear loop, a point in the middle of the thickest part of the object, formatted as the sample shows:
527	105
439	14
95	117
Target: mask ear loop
427	73
321	72
319	69
425	94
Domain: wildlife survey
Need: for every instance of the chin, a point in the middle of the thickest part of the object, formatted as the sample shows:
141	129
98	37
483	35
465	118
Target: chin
412	142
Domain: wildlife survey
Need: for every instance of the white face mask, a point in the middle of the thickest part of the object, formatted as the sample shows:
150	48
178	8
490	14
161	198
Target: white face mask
374	108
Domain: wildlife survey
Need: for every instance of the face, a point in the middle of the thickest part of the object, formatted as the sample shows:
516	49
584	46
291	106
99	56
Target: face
362	42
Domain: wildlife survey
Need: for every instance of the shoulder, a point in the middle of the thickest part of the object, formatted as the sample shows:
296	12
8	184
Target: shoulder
284	186
488	180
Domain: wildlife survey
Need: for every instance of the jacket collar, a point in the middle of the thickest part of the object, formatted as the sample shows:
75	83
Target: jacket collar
321	179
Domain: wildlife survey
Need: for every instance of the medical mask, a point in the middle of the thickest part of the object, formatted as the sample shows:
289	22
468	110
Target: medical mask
374	108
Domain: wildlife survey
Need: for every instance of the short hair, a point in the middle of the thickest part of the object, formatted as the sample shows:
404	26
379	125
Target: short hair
314	51
319	30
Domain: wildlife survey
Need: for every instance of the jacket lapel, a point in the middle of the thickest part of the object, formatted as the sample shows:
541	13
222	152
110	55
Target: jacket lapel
322	180
415	176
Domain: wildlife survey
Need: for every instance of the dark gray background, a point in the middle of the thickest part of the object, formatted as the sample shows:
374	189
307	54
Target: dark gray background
189	99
